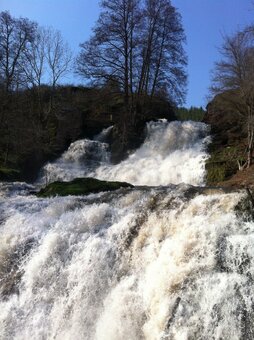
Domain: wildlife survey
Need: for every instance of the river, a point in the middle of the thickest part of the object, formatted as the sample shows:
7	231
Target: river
167	259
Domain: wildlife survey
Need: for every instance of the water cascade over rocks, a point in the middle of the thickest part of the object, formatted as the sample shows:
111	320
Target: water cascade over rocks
172	153
163	262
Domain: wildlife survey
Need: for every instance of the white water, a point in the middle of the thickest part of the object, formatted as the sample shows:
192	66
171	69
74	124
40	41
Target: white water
172	153
156	263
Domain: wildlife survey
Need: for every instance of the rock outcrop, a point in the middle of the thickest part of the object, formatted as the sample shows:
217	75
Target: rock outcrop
80	186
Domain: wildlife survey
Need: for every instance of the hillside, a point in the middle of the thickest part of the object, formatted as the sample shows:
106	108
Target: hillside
225	115
38	128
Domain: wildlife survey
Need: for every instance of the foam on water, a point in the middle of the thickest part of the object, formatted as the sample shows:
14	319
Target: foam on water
172	153
151	263
81	158
159	263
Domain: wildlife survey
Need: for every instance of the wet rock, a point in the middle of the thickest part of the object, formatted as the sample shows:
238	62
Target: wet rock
80	186
11	268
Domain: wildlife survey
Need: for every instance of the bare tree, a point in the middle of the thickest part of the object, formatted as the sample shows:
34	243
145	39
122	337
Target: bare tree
58	55
15	37
139	45
235	72
34	59
165	58
108	55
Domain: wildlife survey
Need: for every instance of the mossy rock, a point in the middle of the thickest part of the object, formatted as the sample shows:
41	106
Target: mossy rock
8	174
80	186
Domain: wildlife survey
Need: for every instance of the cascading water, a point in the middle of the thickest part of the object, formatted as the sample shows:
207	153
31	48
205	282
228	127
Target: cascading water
173	262
172	153
81	158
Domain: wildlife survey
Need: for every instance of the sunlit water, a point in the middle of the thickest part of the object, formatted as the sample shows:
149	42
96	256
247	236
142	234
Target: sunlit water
174	262
172	153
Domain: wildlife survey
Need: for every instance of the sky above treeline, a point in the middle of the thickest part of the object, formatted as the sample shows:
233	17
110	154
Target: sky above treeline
204	21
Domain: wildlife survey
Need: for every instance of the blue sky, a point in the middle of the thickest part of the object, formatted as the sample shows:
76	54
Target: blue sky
204	21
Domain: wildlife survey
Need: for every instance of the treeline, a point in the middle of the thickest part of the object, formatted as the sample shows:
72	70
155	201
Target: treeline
133	69
33	60
192	113
137	48
135	52
233	87
30	55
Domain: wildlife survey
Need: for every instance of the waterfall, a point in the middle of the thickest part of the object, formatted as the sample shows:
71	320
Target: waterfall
103	135
172	153
157	262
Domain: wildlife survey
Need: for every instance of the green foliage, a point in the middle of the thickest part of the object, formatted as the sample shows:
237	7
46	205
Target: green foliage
193	113
80	186
215	173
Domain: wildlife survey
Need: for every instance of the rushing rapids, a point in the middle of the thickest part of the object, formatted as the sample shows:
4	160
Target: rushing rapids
167	262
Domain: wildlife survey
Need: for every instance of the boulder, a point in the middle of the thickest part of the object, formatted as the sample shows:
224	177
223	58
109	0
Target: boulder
80	186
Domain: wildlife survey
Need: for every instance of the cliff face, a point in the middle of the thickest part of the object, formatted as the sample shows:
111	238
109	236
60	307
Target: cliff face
33	131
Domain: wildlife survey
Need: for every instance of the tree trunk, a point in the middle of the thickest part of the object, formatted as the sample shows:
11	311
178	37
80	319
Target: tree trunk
250	137
250	140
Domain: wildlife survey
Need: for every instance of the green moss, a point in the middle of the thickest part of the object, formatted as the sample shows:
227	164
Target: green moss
215	173
222	164
8	174
80	186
